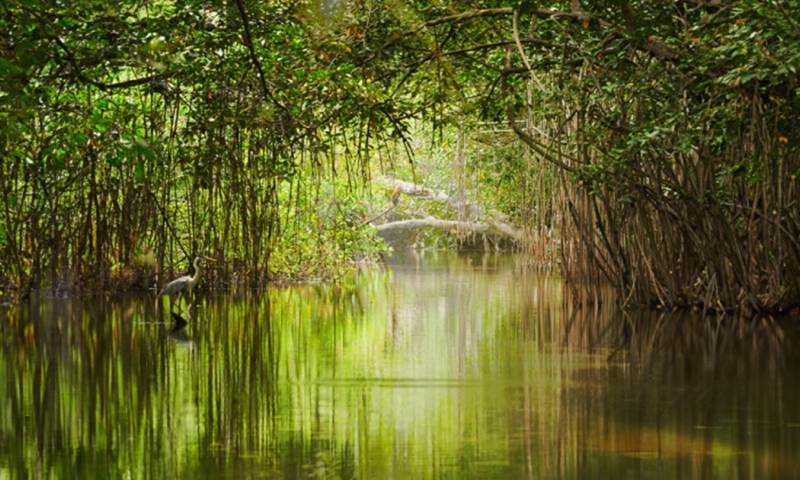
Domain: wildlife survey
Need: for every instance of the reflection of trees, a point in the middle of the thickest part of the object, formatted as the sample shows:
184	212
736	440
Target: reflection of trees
695	396
458	366
93	391
68	372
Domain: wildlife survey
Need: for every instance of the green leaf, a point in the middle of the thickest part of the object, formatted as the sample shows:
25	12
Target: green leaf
99	123
114	160
143	148
138	171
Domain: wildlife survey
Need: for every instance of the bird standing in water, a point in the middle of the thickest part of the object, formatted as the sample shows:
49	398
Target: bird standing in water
184	283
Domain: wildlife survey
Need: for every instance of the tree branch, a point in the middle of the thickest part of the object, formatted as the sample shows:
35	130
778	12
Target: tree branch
495	228
463	17
522	134
488	46
653	45
248	41
102	85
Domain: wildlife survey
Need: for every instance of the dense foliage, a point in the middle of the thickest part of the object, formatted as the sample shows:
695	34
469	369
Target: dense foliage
135	135
661	135
673	127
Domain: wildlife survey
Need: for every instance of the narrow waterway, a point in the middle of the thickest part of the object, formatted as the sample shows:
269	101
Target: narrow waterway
443	366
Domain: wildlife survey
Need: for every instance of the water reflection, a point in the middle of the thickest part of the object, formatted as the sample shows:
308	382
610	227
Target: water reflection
458	367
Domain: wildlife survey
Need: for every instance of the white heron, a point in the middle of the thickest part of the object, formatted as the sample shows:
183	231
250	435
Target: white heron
184	283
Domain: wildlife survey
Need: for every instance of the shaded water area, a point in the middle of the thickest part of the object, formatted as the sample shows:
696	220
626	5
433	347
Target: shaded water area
442	367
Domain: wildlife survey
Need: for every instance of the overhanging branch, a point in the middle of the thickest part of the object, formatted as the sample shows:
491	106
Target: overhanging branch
102	85
526	138
248	41
653	45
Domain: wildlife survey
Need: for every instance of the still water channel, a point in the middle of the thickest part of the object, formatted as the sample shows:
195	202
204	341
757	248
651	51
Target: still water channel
442	367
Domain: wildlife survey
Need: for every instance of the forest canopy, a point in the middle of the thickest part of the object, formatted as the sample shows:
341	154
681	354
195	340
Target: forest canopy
663	135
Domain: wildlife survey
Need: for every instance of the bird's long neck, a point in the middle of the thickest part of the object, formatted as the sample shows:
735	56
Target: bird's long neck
196	275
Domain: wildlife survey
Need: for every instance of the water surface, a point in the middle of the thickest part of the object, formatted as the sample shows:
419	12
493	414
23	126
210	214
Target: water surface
443	367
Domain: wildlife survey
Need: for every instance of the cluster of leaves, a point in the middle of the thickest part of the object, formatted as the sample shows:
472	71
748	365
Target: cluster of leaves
675	118
179	125
173	127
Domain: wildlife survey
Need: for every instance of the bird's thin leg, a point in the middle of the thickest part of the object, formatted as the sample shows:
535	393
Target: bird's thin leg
186	302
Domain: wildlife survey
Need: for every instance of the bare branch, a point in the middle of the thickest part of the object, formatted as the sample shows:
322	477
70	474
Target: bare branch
494	228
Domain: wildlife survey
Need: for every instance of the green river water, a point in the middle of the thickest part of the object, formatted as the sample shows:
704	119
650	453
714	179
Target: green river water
442	366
